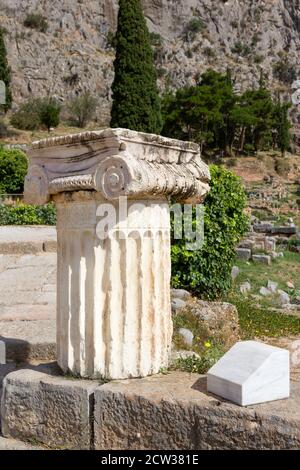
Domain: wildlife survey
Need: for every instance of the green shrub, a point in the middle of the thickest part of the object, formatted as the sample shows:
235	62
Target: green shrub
49	113
13	168
207	272
36	21
27	116
82	109
23	214
36	113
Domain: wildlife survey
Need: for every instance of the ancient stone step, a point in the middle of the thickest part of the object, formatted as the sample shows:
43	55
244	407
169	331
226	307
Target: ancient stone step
29	340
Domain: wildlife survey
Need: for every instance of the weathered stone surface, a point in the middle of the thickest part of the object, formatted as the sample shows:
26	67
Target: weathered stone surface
187	336
75	54
28	340
12	444
272	286
245	287
50	410
177	304
234	272
292	344
21	248
22	285
284	298
174	411
264	291
218	319
285	230
113	288
263	259
181	294
118	162
182	354
243	253
50	246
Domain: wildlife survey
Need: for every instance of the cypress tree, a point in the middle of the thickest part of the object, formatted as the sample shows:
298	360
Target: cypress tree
4	72
136	102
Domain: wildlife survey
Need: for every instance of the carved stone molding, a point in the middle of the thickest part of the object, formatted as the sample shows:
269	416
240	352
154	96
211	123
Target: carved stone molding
116	162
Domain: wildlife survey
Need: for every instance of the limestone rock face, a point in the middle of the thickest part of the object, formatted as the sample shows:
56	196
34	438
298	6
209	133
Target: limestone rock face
74	54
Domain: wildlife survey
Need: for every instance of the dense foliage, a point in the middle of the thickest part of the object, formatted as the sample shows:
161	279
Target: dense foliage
5	72
23	214
13	168
36	113
206	272
213	115
136	102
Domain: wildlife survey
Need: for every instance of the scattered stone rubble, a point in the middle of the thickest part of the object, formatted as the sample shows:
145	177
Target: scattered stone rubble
218	319
262	240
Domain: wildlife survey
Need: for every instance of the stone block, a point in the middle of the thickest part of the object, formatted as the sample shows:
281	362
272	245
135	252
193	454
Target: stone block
2	353
187	336
272	286
174	411
247	244
285	230
250	373
259	246
243	253
263	259
245	287
51	410
50	246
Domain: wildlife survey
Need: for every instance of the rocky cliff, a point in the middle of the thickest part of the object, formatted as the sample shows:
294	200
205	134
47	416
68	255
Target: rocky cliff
75	52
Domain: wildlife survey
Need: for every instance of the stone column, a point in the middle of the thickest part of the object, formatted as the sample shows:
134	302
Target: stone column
113	282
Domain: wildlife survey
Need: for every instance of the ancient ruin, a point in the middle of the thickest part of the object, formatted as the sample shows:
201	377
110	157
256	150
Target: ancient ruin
113	294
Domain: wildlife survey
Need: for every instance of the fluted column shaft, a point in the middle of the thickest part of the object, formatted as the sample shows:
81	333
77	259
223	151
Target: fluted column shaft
113	302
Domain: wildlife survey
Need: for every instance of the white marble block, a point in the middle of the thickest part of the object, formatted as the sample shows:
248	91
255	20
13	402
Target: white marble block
250	373
2	353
